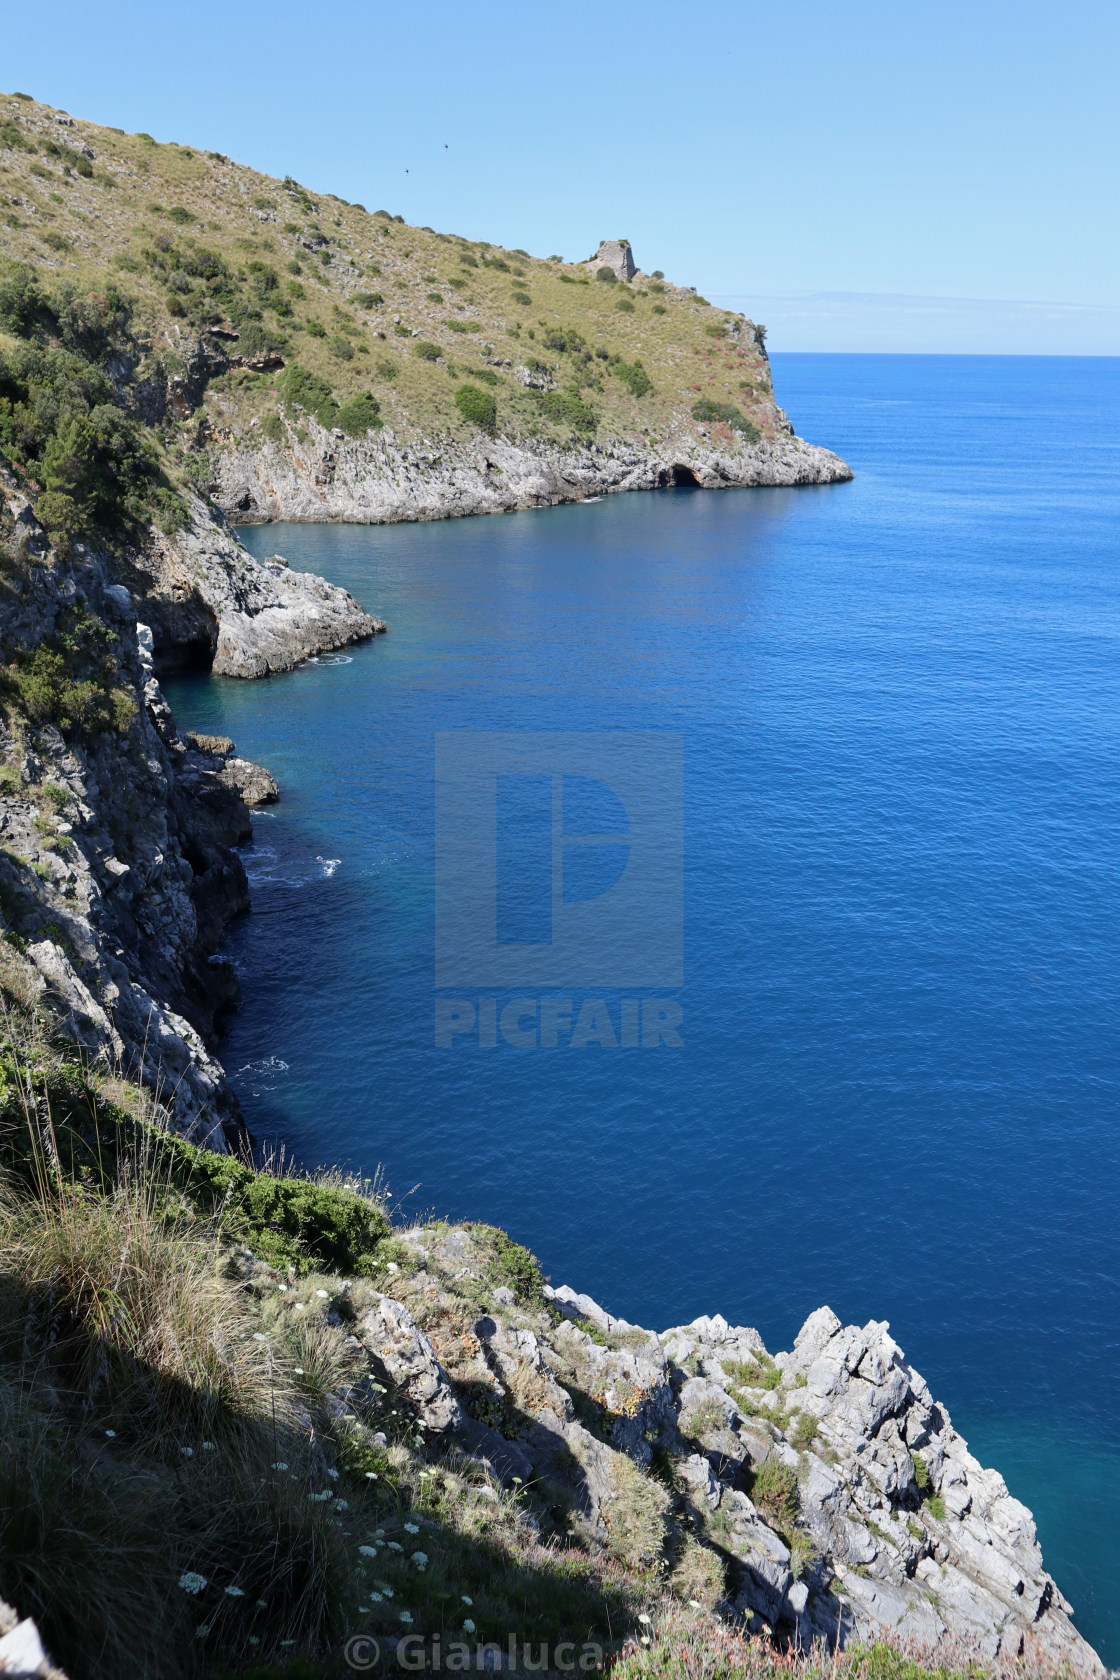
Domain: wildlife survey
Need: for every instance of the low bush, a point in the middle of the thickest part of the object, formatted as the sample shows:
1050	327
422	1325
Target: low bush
368	300
608	275
624	306
71	679
342	348
569	409
426	352
478	407
359	415
634	376
774	1490
487	375
705	409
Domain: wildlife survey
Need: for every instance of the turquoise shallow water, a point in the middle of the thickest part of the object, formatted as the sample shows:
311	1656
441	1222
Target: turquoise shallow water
897	1092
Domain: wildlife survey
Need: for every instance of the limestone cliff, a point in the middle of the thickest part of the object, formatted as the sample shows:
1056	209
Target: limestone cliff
118	870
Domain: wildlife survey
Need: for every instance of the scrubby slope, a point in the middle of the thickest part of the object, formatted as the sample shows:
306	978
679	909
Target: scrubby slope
307	358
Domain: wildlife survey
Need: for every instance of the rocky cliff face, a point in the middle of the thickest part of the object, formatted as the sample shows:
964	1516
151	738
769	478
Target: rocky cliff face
118	870
380	480
822	1493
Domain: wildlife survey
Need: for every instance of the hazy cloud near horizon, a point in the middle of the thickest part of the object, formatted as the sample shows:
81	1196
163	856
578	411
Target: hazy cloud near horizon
888	322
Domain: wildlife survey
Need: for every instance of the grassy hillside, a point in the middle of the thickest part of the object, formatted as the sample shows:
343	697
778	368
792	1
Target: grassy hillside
351	314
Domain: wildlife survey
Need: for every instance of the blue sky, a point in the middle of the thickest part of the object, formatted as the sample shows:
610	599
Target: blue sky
787	155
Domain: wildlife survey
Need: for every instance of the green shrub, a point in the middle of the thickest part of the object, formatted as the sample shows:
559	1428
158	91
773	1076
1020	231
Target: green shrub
478	407
272	427
608	275
487	375
385	368
705	409
634	376
659	309
359	415
72	679
522	299
426	352
774	1490
315	328
342	348
804	1430
569	409
624	306
303	389
178	213
295	290
368	300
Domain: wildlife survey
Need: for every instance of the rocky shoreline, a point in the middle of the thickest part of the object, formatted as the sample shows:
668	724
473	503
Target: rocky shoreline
824	1488
382	480
119	871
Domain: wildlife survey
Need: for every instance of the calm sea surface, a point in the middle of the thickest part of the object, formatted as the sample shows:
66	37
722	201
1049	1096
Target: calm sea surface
900	708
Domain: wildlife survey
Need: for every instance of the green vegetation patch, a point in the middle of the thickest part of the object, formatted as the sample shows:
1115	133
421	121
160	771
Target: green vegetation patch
359	415
569	409
729	415
478	407
71	678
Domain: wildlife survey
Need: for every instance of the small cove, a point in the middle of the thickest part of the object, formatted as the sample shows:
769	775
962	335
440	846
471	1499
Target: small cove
899	705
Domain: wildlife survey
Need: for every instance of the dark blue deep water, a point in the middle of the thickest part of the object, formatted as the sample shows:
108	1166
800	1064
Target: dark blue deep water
900	709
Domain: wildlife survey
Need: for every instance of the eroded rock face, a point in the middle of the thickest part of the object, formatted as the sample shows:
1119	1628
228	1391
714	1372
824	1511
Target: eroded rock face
120	871
210	603
829	1483
381	480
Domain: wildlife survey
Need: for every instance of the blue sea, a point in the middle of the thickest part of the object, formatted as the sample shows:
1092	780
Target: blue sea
898	705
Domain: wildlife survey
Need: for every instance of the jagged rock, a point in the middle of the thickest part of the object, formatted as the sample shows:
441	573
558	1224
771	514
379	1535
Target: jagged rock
209	602
378	480
401	1351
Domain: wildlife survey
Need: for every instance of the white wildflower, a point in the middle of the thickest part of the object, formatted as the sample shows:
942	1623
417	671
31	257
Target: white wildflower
412	1528
298	1369
368	1551
208	1446
394	1546
406	1615
234	1592
202	1630
279	1465
392	1266
300	1307
468	1626
112	1434
420	1559
333	1473
341	1505
259	1336
377	1598
467	1600
192	1582
323	1294
187	1452
283	1288
371	1475
645	1621
321	1498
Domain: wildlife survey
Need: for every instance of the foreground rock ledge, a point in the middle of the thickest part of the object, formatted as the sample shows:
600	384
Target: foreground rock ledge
890	1524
